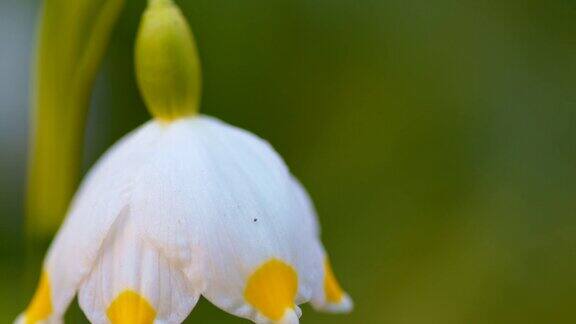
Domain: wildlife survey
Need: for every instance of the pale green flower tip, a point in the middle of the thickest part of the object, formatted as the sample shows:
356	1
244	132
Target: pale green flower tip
167	65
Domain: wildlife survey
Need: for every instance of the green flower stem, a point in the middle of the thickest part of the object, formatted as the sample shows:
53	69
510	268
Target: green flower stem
73	37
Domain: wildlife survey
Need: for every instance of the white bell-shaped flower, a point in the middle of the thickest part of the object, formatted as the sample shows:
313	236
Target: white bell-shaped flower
174	211
185	206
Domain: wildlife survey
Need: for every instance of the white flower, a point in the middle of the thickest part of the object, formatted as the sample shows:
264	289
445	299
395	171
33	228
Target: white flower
182	209
185	206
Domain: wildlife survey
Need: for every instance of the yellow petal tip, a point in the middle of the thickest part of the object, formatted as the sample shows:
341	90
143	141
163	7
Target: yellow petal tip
337	301
272	289
131	308
41	306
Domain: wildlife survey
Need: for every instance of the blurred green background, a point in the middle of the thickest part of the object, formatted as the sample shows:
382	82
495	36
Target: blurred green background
438	139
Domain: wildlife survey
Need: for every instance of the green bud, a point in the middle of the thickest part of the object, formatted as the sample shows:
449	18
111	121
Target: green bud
167	63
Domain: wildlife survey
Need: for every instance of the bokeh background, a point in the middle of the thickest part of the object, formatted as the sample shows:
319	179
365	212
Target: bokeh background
438	139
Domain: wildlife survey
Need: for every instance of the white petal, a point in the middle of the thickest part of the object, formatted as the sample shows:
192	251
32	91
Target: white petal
307	206
161	199
130	267
320	299
101	198
226	194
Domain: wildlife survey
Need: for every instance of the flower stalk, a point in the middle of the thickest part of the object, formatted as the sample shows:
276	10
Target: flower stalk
72	40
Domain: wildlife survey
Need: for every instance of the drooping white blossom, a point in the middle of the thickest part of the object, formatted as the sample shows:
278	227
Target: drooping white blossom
183	209
185	206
